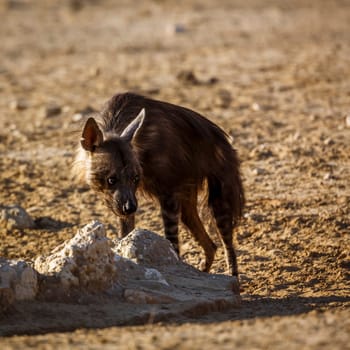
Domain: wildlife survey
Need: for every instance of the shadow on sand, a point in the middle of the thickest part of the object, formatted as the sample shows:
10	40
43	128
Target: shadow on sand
46	317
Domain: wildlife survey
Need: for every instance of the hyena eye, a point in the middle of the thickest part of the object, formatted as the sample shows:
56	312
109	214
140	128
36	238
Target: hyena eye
136	179
112	180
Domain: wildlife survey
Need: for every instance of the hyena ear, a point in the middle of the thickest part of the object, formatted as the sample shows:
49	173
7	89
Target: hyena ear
131	130
92	135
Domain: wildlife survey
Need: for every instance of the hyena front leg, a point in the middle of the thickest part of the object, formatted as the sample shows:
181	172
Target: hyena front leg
127	224
170	208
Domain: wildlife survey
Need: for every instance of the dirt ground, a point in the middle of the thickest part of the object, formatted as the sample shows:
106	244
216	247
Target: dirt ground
274	74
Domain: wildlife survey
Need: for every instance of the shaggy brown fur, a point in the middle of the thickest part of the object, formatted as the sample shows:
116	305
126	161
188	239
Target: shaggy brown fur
169	152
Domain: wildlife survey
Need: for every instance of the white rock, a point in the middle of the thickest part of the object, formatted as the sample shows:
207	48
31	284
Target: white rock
85	262
147	248
20	277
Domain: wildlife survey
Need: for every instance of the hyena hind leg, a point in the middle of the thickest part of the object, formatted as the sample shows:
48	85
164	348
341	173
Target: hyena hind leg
190	217
224	221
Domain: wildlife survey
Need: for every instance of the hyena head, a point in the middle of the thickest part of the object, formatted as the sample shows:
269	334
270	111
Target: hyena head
112	167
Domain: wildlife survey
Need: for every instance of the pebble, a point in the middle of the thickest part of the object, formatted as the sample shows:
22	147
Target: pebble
51	110
296	136
95	71
347	121
255	107
18	105
177	28
223	99
188	77
328	176
328	141
79	115
14	216
258	171
261	152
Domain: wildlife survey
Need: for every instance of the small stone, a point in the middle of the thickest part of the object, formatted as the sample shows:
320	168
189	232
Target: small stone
188	77
254	217
18	105
12	127
296	136
258	171
347	121
255	107
177	28
14	216
95	71
223	99
313	117
66	109
261	152
79	115
51	110
328	176
329	141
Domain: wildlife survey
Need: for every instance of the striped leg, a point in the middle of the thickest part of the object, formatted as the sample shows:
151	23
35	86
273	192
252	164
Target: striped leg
170	208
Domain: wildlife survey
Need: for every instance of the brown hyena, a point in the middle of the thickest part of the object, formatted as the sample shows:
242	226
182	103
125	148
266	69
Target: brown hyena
168	152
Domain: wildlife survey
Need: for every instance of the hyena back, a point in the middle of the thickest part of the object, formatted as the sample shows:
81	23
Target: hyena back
169	152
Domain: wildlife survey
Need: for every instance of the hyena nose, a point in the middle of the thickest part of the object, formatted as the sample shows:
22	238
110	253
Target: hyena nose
129	207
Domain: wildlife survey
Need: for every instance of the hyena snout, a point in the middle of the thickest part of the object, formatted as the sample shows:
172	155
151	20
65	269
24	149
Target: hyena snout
129	207
126	202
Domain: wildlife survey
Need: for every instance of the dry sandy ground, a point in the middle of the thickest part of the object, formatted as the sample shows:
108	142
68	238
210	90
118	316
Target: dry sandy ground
274	74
